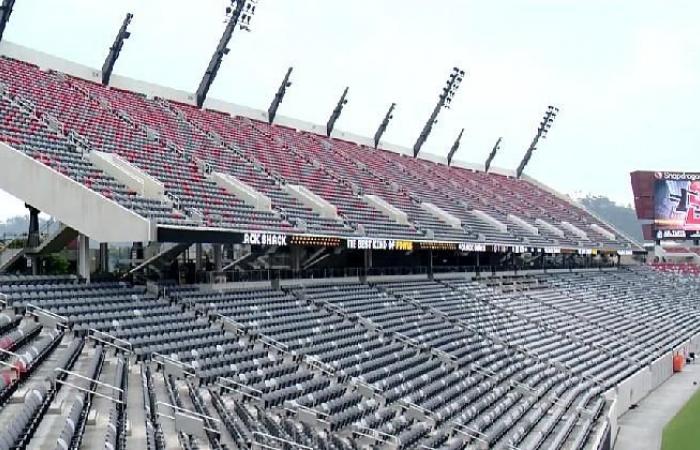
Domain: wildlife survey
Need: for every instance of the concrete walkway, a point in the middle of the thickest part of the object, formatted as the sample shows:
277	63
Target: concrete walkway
641	428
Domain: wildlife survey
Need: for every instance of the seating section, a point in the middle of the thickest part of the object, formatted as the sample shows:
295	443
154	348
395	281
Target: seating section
30	135
679	268
512	362
174	122
267	147
103	126
53	118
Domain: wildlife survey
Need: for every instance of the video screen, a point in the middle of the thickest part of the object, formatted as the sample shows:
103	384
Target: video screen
677	202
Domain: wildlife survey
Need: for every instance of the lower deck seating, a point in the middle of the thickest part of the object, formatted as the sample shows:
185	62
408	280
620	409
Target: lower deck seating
508	362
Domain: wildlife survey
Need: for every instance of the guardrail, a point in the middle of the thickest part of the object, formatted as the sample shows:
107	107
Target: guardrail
190	422
258	444
108	339
45	317
262	275
87	390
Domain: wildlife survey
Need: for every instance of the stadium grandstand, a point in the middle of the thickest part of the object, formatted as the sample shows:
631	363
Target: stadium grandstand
245	280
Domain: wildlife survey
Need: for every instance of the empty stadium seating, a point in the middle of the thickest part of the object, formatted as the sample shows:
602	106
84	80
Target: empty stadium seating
686	268
508	362
57	119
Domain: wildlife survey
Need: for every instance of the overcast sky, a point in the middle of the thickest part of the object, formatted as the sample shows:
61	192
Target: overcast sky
625	73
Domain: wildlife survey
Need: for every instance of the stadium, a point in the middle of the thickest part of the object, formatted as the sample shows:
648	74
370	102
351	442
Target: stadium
232	278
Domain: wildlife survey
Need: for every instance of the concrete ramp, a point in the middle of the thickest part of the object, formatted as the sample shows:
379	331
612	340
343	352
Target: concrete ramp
68	201
56	242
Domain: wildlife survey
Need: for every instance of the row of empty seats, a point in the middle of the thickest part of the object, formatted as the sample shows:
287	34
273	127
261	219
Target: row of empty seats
520	362
57	119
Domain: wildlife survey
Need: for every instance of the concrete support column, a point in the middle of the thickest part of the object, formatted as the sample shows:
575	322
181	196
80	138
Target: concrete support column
84	257
368	259
198	257
104	257
430	265
295	257
136	253
218	257
33	235
34	262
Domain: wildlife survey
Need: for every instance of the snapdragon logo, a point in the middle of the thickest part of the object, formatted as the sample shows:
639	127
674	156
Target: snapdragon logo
681	176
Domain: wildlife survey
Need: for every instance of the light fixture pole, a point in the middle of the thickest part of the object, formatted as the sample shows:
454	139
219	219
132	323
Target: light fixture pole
542	131
239	14
448	92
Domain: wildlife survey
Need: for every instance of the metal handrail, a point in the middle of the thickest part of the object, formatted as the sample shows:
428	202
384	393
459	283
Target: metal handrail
45	311
243	393
93	331
229	380
189	412
86	390
155	355
279	439
374	433
91	380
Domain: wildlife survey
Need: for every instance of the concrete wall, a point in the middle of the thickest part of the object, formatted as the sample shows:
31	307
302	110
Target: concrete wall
633	389
318	204
500	226
661	370
70	202
574	229
242	191
522	224
443	215
128	174
550	227
382	205
612	414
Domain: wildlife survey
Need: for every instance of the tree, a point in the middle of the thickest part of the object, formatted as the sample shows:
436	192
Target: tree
621	217
56	264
